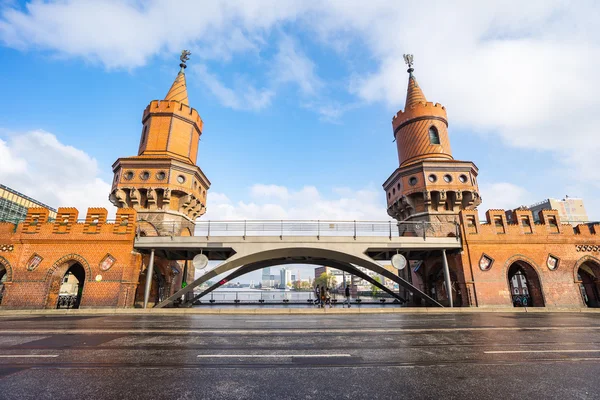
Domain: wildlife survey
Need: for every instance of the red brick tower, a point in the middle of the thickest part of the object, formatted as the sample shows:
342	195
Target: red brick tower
429	184
163	182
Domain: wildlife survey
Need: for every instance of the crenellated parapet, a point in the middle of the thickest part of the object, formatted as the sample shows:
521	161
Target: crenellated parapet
521	225
66	226
173	107
424	110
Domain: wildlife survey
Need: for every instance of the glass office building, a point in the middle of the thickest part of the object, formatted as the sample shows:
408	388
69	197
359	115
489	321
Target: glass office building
14	205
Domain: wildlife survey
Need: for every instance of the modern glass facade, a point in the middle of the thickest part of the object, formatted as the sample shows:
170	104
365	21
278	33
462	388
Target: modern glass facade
14	205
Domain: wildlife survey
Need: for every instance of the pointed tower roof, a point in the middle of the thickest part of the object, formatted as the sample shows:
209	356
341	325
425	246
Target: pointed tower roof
178	90
414	94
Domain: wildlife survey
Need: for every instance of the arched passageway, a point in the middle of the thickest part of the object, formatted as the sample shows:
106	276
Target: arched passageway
71	288
158	288
588	277
3	276
525	286
436	285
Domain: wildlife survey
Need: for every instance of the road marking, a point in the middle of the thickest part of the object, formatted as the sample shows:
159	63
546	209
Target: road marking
540	351
270	355
28	355
412	321
259	331
275	321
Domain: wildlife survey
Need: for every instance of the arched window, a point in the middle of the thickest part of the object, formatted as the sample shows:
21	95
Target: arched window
434	136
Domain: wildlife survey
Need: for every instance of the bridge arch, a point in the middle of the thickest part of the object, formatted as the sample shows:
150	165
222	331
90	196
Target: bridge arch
270	263
304	254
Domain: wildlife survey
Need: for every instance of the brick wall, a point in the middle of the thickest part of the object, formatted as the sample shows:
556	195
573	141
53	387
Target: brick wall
61	244
522	241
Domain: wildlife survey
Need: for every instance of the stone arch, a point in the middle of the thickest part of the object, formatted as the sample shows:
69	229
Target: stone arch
587	276
56	273
70	259
7	267
582	261
300	254
146	228
532	275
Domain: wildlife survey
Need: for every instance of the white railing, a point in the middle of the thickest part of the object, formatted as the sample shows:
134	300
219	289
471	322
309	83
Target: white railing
318	228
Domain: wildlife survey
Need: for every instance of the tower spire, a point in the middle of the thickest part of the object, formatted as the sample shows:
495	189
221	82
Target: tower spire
178	91
414	94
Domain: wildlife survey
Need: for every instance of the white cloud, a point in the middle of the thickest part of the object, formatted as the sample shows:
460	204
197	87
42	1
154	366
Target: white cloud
49	171
245	97
504	196
291	65
522	71
280	202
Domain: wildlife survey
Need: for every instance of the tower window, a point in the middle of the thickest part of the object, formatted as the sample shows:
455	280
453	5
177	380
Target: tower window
412	181
434	136
144	135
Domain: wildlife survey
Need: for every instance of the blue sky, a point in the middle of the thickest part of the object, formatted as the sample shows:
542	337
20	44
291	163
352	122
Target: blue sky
297	97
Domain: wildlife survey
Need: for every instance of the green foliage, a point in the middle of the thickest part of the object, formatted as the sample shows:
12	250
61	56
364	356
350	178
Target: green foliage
301	286
327	280
375	289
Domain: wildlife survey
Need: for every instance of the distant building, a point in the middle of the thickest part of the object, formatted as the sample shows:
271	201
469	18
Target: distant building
266	278
570	209
285	278
14	205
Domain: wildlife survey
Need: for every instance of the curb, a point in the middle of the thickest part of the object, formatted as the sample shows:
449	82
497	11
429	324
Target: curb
293	311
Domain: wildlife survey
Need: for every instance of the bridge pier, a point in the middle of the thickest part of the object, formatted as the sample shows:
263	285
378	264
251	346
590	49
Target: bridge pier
447	277
149	275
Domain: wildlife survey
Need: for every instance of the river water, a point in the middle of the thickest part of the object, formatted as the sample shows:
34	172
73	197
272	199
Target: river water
246	295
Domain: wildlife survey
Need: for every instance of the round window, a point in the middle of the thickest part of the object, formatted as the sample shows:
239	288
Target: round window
195	185
161	175
129	175
398	185
432	178
448	178
181	179
463	178
145	175
389	195
394	191
412	181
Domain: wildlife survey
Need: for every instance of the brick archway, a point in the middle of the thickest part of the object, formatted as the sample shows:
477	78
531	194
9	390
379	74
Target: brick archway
56	273
587	276
7	267
580	262
70	259
526	267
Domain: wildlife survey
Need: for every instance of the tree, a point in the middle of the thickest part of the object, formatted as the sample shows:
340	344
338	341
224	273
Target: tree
375	289
327	280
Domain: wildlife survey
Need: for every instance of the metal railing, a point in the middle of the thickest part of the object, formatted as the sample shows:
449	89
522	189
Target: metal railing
314	228
276	297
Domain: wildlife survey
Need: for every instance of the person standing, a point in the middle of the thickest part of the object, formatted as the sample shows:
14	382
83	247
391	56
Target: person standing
347	293
317	295
328	298
323	296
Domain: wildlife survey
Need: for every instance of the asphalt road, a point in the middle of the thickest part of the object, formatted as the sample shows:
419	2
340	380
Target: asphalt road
376	356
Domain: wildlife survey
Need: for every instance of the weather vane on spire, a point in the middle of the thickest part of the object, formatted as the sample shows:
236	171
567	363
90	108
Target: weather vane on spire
408	59
185	55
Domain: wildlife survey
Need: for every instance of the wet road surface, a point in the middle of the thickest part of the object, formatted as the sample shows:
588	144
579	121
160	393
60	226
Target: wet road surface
370	356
